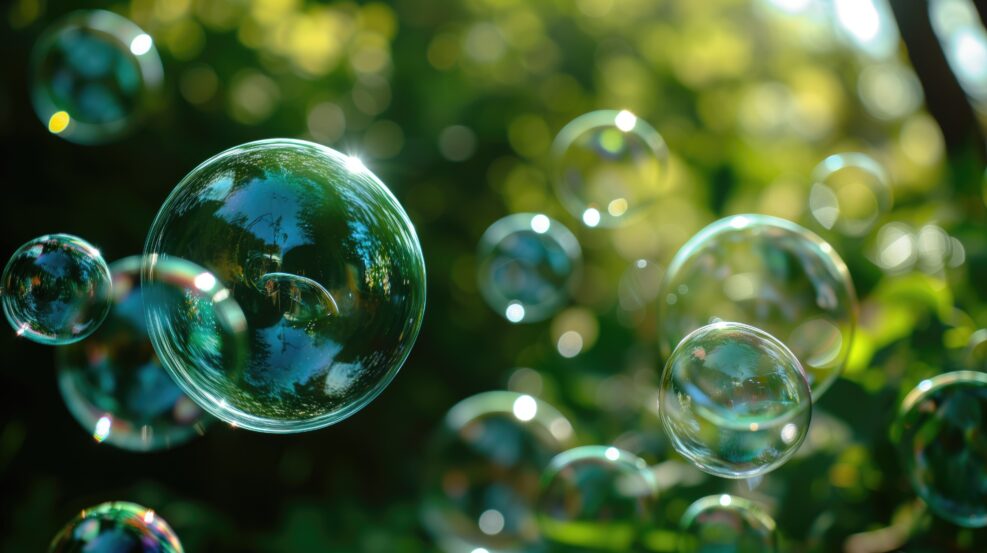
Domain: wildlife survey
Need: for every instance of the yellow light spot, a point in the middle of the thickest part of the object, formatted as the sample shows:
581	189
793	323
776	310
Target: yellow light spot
59	122
617	207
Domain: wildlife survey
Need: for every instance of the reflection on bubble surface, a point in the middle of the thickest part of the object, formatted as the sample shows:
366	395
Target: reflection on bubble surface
727	524
116	527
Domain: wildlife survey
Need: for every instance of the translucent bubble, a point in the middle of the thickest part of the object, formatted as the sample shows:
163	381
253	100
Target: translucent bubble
484	466
943	448
850	191
113	383
56	289
734	400
528	264
93	75
116	527
771	274
322	261
595	497
727	524
640	284
609	166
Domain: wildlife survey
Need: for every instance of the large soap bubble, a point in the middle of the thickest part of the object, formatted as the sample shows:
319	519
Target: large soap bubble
93	75
941	440
113	383
727	524
325	266
734	400
850	192
56	289
771	274
116	527
484	467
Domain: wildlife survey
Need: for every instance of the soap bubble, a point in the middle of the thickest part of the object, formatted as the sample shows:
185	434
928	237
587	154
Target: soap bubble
850	191
595	497
56	289
325	266
727	524
771	274
943	448
116	527
609	166
734	400
484	466
528	264
93	74
113	383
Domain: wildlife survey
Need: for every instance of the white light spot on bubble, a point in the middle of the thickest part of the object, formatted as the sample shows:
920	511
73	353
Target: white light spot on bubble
612	453
149	516
355	164
789	432
570	344
491	522
739	222
625	121
591	217
141	44
205	281
925	385
514	312
525	408
102	430
561	429
540	223
725	500
479	550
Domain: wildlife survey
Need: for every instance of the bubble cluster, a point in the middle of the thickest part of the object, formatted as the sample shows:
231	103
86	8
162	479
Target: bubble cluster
727	524
771	274
943	448
484	467
56	289
734	400
595	497
116	527
324	265
113	383
93	75
850	192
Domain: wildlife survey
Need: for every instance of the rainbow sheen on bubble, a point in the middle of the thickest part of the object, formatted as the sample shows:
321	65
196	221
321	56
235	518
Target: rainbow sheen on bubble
528	265
943	445
113	383
609	167
850	192
93	75
727	524
484	466
771	274
595	498
734	401
116	527
325	267
56	289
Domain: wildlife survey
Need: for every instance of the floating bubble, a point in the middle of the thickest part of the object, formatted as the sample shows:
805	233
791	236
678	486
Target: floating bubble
727	524
609	166
595	497
734	400
116	527
850	191
93	74
640	284
113	383
528	264
56	289
943	448
485	463
771	274
322	261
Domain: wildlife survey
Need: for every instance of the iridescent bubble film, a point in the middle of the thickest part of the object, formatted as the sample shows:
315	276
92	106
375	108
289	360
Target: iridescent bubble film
734	400
484	467
943	445
528	264
727	524
113	383
595	498
850	192
116	527
609	166
323	263
771	274
56	289
93	74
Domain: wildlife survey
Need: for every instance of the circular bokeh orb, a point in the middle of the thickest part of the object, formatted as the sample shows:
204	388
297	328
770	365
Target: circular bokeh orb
771	274
56	289
850	192
93	75
113	383
323	263
727	524
609	166
528	265
734	400
595	497
943	447
116	527
484	467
